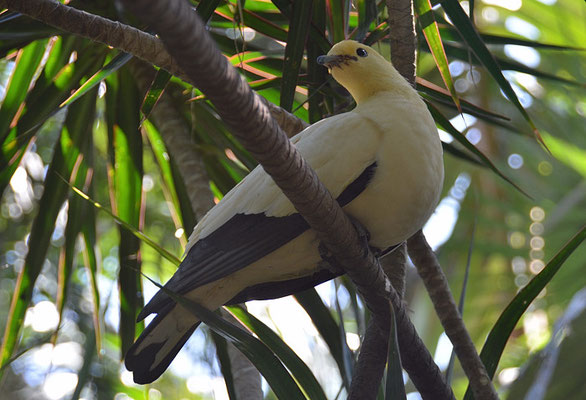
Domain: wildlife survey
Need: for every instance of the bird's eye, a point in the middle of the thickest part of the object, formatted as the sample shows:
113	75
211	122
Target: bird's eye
361	52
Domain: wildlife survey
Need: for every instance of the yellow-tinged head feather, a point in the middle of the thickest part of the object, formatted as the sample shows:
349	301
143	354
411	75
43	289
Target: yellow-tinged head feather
362	71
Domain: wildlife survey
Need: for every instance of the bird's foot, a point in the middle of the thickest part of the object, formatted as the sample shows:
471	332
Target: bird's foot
330	262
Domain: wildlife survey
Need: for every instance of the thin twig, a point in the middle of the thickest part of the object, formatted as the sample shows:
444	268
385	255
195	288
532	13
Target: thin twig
445	306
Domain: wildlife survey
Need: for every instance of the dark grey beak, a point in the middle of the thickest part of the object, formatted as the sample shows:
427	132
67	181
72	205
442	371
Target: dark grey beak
334	61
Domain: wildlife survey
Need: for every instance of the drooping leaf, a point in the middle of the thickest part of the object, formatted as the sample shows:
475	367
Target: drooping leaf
469	33
26	64
300	371
434	42
446	125
394	386
501	331
65	157
117	62
155	92
328	329
123	106
296	37
257	352
80	122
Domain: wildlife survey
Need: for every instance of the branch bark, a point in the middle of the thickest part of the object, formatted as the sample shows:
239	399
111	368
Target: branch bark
445	306
402	37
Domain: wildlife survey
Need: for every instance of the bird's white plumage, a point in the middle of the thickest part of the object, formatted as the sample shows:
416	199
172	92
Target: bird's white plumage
390	126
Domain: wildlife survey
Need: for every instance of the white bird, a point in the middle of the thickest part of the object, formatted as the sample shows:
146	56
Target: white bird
382	161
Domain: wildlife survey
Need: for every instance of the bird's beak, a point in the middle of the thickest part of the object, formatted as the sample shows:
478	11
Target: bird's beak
334	60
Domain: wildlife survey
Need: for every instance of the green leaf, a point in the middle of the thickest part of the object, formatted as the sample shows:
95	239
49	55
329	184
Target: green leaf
446	125
91	265
337	22
25	66
471	36
460	53
367	13
300	371
117	62
394	387
65	157
164	163
42	103
296	38
144	238
206	9
497	338
80	122
328	329
155	92
434	41
257	352
122	105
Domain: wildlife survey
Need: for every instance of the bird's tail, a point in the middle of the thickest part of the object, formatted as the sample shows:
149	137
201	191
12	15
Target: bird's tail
159	343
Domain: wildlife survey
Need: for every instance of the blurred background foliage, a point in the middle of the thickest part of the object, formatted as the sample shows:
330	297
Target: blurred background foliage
74	269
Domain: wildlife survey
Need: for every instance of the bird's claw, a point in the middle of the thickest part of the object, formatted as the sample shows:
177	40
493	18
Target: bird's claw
330	263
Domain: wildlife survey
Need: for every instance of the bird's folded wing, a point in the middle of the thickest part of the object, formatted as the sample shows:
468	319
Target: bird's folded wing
255	218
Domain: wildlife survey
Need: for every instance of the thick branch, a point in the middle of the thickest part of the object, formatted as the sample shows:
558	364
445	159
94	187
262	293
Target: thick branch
402	37
445	306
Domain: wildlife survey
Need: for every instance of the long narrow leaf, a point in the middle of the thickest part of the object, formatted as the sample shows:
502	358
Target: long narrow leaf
25	66
328	329
448	127
499	335
298	31
117	62
394	387
155	92
300	371
122	103
144	238
434	41
64	159
79	122
469	33
261	356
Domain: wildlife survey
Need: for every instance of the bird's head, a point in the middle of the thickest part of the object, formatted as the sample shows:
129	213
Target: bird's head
361	70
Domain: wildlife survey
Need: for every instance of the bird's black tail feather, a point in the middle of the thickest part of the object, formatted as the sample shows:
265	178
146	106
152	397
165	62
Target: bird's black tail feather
156	347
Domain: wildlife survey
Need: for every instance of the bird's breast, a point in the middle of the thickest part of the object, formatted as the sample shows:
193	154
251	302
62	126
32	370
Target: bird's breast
406	186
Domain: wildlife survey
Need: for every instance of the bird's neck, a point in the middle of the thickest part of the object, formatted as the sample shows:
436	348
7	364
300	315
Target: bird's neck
387	81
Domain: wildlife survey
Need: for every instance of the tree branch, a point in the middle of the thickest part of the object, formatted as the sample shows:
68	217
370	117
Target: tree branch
445	306
402	37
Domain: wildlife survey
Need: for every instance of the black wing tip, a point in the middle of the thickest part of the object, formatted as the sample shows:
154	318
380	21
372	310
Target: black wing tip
140	364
